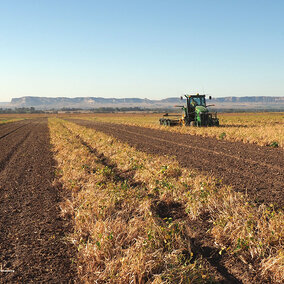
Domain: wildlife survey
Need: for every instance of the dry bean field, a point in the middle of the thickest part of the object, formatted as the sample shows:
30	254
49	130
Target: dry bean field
117	198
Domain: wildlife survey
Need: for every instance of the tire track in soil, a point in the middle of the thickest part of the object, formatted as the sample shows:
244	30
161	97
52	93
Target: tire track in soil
32	233
9	128
14	148
255	170
8	147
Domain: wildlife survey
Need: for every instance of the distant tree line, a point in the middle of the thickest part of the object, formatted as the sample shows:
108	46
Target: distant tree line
114	110
20	110
124	109
159	110
130	109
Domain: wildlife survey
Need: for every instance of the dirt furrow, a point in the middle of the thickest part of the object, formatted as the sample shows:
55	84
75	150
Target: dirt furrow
32	234
257	171
9	151
9	128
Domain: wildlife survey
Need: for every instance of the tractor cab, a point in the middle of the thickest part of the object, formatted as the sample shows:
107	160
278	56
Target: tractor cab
197	100
194	103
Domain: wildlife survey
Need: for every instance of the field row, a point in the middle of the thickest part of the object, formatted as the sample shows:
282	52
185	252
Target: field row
140	217
265	129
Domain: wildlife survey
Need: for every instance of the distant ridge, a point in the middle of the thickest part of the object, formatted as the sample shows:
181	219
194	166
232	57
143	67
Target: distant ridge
45	103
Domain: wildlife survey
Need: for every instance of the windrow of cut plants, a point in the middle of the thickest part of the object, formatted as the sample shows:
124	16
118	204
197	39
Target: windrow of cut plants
140	217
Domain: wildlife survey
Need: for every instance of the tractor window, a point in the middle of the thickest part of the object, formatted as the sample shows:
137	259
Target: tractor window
199	101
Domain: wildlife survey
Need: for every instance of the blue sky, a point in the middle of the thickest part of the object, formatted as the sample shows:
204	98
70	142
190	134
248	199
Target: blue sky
148	49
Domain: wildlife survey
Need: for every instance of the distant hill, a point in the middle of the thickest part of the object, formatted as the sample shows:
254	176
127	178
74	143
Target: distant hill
256	103
44	103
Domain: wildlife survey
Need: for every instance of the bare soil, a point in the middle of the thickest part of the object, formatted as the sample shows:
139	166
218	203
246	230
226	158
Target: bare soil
32	234
248	168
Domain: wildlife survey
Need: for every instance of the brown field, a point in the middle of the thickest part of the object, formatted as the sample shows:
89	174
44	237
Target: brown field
31	230
117	198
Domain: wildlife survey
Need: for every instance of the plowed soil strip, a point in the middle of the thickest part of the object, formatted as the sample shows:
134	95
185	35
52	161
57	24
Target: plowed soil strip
8	128
255	170
32	233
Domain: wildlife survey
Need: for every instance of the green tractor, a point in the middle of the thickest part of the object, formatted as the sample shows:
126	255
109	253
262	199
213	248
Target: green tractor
195	113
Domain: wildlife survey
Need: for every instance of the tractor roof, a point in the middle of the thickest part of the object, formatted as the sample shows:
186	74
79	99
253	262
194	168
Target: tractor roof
195	96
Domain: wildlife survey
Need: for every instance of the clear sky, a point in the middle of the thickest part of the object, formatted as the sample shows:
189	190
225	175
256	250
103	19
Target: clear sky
141	48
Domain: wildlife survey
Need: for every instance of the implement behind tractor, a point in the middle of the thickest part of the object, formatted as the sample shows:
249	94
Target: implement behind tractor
195	113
